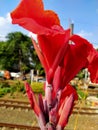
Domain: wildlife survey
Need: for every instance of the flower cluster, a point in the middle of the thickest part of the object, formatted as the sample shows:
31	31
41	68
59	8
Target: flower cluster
61	62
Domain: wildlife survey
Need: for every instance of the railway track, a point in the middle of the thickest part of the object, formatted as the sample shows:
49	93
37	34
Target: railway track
17	126
85	110
20	127
14	104
25	105
93	92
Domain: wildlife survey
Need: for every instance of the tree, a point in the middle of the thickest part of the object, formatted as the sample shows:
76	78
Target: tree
17	53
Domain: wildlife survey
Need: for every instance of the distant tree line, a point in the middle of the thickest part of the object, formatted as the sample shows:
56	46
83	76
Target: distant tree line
17	54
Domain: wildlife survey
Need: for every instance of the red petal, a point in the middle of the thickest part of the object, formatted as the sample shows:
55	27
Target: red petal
40	102
28	8
93	66
32	99
30	14
57	80
62	105
75	59
40	55
54	49
66	111
50	45
67	91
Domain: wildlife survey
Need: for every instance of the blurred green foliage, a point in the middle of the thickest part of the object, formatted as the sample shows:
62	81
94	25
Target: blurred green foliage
82	95
5	88
37	87
18	86
81	74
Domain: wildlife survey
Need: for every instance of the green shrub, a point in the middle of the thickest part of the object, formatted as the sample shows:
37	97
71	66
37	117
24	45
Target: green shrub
5	88
18	86
4	91
80	75
4	85
37	87
81	94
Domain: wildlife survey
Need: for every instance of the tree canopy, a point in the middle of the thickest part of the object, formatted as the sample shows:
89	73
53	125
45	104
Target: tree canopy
17	53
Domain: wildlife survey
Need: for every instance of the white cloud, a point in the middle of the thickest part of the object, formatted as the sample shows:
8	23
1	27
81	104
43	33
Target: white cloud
5	20
90	36
33	35
5	26
85	34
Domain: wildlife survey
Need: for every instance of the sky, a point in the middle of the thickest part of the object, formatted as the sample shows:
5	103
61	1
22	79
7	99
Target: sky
82	13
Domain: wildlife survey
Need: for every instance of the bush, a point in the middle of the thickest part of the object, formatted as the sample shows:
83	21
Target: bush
82	95
4	85
80	75
5	88
18	86
4	91
37	87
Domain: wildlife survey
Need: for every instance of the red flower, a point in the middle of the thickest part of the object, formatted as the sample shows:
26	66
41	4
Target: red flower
61	61
52	39
93	65
46	24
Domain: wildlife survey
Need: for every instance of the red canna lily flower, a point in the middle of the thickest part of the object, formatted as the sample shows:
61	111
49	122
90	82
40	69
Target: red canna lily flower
61	61
47	25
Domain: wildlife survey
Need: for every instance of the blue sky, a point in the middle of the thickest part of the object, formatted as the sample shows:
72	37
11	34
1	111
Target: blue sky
83	13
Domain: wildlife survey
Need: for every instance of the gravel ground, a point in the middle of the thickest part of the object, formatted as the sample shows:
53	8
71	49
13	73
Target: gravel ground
83	122
17	116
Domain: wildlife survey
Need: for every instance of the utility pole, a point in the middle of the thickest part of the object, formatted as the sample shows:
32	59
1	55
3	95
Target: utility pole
71	29
20	62
71	26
